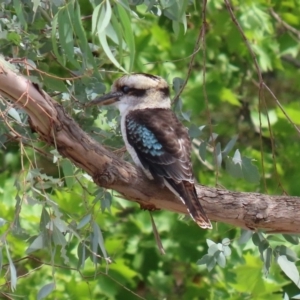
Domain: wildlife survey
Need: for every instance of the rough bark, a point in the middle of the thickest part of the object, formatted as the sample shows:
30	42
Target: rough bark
50	121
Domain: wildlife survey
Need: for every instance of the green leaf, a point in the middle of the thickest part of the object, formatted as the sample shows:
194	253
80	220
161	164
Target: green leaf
58	56
126	21
260	241
106	201
202	150
249	278
19	9
95	17
229	96
242	167
82	257
86	219
14	114
45	290
210	242
237	158
14	37
250	171
229	146
98	237
68	170
213	249
12	270
261	120
55	84
204	259
115	32
177	84
267	260
82	39
257	238
221	260
292	238
287	252
45	219
263	246
290	269
65	32
57	237
218	155
226	250
290	18
226	242
125	271
211	263
37	244
101	17
106	49
183	18
286	296
194	131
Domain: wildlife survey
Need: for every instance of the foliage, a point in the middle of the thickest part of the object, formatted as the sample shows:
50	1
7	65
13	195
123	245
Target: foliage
64	238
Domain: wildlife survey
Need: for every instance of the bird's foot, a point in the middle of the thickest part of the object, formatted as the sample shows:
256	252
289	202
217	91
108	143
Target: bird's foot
149	207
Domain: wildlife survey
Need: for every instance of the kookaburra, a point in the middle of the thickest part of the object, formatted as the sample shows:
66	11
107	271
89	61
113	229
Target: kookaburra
154	137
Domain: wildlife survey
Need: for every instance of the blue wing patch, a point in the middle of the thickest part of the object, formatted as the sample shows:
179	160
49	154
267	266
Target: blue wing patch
145	140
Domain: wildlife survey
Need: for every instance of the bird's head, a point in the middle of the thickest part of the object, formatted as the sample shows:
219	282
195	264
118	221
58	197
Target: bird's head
137	91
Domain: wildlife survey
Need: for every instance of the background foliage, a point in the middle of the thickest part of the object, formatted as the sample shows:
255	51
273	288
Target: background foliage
64	238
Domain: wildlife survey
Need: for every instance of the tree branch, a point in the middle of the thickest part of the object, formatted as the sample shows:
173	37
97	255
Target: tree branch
50	121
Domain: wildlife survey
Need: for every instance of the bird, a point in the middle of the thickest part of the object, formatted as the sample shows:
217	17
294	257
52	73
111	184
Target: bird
156	140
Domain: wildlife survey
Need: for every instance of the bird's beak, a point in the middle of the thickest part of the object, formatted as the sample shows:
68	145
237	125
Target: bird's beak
106	99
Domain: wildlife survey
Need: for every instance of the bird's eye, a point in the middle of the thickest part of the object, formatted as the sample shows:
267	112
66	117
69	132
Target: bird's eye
125	89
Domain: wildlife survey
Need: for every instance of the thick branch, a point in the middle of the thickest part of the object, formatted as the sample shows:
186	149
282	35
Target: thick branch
49	120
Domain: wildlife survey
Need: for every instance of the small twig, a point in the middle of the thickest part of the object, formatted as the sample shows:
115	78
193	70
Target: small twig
24	61
75	76
156	235
281	108
191	63
240	29
82	186
259	74
4	118
284	24
273	149
209	120
86	17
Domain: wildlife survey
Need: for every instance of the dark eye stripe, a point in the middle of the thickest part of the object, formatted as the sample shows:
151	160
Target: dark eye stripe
165	91
137	92
141	92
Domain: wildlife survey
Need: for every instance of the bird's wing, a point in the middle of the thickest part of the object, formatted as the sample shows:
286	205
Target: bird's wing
163	147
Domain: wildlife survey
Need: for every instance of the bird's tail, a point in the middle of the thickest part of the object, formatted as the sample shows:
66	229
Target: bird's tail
194	206
188	195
